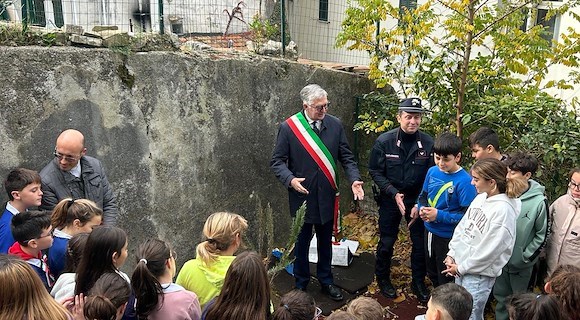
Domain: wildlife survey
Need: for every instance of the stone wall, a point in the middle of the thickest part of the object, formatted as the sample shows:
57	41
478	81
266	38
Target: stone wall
181	136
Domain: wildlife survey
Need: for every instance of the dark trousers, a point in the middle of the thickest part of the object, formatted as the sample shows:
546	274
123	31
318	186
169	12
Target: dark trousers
436	249
389	221
324	245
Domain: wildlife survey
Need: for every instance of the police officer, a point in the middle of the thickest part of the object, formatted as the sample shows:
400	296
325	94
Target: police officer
398	164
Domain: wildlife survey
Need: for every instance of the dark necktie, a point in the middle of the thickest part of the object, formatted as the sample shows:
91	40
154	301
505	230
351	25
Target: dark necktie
314	127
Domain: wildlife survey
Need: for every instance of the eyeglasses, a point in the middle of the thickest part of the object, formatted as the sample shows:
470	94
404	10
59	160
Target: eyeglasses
317	314
321	107
50	234
66	158
573	185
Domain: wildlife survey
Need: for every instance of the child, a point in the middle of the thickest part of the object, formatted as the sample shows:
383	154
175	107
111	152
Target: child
484	143
108	297
205	274
297	305
531	233
365	308
341	315
23	189
22	294
446	195
245	294
33	233
483	241
532	306
562	246
105	251
157	297
65	284
565	285
70	217
448	302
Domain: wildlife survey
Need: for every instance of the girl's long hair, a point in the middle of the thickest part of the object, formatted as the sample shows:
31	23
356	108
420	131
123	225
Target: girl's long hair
108	294
245	294
152	257
69	210
97	256
219	232
491	168
22	294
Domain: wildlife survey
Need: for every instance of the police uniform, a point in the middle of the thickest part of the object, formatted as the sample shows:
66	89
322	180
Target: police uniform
398	164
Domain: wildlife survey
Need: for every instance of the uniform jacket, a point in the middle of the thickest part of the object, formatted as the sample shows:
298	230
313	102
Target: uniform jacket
290	160
96	187
564	242
396	171
531	229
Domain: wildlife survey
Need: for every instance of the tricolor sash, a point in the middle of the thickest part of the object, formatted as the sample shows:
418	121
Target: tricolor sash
320	154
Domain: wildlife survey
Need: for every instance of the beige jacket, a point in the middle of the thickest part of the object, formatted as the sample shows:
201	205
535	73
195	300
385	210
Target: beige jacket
564	242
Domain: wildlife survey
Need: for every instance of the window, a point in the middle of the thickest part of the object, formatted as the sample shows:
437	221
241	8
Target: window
409	4
549	24
323	10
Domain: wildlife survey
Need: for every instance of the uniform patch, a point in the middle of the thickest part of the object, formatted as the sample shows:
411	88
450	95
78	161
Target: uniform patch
394	156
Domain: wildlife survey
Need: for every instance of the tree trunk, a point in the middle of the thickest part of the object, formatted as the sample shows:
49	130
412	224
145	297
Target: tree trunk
464	69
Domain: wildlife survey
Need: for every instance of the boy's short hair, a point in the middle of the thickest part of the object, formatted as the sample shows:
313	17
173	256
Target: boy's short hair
18	179
365	308
522	162
29	225
447	144
341	315
452	297
483	137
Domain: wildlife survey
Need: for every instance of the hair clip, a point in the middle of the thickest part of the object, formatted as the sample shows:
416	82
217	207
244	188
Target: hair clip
286	307
143	260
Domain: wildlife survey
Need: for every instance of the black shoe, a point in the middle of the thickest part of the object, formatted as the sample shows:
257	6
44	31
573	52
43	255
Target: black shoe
421	291
387	289
332	292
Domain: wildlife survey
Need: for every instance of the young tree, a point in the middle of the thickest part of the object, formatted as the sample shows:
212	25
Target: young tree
457	52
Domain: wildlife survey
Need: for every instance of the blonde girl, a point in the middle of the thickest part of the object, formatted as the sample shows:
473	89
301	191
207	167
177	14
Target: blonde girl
222	237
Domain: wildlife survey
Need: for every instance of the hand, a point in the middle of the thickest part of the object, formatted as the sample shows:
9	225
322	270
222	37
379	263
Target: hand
428	214
449	260
399	199
79	307
296	183
451	270
414	216
357	190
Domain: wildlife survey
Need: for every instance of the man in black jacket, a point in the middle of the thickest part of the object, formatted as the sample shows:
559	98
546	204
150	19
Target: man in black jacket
307	148
398	164
73	174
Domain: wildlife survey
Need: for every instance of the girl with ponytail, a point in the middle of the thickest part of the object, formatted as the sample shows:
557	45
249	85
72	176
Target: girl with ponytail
296	305
484	239
108	298
70	217
205	274
155	294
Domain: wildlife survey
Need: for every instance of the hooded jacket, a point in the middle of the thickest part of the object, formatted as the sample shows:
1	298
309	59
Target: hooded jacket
483	241
37	263
564	242
531	229
205	281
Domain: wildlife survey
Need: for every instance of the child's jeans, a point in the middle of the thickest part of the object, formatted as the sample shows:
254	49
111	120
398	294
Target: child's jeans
480	288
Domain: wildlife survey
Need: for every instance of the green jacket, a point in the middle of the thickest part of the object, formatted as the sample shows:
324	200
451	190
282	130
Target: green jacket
203	280
531	229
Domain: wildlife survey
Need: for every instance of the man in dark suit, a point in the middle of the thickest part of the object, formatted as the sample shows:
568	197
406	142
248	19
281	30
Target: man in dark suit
307	148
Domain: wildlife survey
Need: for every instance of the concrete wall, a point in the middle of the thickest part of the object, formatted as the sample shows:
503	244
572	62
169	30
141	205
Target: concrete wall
180	136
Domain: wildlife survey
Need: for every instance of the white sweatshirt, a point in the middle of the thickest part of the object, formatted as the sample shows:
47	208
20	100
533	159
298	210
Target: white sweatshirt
483	241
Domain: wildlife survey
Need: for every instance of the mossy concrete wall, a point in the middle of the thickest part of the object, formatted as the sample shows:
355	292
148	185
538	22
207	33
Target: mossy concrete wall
180	135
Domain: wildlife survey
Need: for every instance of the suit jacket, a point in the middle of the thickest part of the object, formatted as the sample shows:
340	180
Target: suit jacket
96	187
290	160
